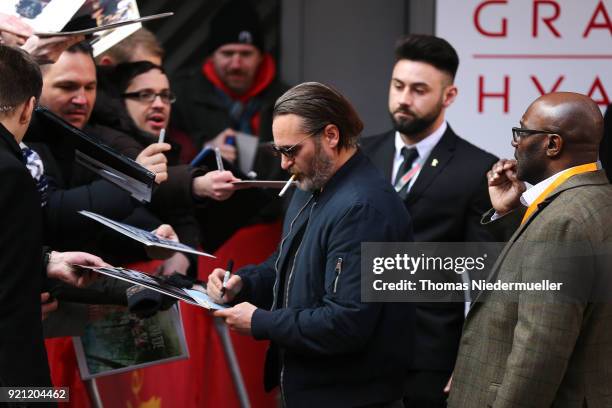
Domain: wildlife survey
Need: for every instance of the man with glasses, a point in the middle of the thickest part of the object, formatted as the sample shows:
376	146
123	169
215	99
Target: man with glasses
144	112
441	179
69	91
327	347
548	347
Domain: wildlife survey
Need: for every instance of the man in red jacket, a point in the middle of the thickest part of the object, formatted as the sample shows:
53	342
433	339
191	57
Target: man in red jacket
232	91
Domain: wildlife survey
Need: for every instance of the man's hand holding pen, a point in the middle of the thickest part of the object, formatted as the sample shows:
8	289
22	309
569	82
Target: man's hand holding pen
226	277
223	287
214	288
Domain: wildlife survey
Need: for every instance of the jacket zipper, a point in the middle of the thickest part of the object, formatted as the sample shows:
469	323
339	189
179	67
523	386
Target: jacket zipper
297	251
338	272
282	373
280	251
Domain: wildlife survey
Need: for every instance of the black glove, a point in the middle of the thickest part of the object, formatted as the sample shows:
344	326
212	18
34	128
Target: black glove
182	281
145	302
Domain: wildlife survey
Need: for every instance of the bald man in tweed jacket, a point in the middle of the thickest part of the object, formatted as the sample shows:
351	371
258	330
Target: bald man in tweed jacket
554	348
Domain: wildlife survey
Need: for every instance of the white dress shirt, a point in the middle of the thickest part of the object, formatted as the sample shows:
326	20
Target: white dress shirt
424	148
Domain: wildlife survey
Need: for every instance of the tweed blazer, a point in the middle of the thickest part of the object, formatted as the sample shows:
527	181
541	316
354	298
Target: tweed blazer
547	351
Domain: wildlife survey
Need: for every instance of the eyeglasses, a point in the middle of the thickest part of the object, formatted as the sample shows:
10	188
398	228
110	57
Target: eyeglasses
148	96
289	151
520	133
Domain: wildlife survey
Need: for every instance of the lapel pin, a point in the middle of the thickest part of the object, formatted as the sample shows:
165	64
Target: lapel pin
434	162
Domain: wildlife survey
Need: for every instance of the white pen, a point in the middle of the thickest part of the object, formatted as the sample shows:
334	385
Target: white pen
226	277
286	187
219	159
162	135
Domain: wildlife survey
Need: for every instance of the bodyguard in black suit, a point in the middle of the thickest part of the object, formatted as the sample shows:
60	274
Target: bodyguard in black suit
441	178
23	360
24	265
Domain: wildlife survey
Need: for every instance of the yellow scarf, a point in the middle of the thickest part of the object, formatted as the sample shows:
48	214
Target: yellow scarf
585	168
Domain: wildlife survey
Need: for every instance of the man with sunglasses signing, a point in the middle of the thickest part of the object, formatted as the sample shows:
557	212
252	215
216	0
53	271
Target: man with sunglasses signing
328	348
549	347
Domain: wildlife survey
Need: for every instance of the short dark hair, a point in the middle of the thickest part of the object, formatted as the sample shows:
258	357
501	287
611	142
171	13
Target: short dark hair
123	74
429	49
82	47
320	105
20	78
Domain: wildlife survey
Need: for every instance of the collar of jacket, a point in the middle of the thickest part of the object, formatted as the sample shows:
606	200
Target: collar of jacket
338	178
591	178
8	138
265	75
438	158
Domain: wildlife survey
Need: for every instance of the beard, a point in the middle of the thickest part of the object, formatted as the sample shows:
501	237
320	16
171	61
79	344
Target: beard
321	168
530	164
414	124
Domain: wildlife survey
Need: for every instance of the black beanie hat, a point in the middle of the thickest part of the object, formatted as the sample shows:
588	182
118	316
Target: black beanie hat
236	22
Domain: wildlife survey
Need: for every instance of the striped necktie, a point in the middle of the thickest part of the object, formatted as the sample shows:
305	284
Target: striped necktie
410	155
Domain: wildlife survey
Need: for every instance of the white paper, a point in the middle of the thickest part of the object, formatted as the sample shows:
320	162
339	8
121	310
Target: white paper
247	149
140	235
204	300
42	15
278	184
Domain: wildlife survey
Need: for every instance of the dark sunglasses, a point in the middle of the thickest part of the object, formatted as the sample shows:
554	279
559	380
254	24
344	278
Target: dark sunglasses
288	151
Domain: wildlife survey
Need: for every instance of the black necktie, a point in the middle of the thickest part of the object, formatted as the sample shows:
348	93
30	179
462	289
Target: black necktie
410	155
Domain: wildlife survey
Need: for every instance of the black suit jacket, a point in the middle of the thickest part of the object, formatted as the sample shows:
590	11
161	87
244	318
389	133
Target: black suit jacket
23	359
445	203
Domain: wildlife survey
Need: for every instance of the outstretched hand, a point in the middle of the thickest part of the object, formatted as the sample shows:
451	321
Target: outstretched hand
164	231
62	266
153	159
215	184
13	30
48	50
228	151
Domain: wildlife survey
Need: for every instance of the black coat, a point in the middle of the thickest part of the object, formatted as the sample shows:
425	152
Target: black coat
23	359
200	112
72	188
172	201
445	203
336	350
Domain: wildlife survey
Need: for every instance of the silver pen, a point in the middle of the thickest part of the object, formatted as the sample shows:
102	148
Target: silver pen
219	159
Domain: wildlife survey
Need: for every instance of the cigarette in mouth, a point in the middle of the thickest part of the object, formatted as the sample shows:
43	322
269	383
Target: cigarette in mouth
286	187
